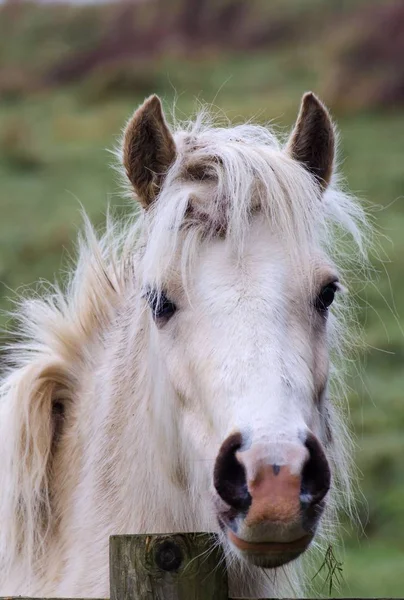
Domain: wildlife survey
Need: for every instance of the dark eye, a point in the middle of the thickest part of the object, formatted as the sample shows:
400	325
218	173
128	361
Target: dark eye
326	297
162	308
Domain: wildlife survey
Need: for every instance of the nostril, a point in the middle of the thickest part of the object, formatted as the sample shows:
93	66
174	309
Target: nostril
316	475
229	475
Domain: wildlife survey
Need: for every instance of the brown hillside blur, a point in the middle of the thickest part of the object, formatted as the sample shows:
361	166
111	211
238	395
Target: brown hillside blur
116	48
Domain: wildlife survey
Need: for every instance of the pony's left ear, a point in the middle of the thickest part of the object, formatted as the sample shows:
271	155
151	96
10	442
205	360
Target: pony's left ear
148	150
312	141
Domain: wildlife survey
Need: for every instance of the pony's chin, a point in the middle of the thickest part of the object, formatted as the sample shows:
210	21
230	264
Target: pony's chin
269	555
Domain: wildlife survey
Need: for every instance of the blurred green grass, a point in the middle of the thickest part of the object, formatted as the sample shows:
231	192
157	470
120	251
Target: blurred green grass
54	155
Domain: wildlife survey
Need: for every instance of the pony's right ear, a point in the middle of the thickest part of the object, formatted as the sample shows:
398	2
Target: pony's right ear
148	150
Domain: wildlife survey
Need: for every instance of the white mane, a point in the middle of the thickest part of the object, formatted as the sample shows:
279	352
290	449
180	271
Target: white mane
221	176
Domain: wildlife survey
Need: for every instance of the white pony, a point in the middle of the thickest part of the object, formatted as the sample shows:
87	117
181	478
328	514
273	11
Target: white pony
180	381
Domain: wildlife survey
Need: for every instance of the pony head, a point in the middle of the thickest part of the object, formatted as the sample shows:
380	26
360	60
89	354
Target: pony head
237	279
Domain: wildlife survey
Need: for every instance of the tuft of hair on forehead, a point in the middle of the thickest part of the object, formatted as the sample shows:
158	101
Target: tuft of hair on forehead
221	177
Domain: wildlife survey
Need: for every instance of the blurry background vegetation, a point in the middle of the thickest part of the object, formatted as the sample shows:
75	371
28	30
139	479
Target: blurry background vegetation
70	75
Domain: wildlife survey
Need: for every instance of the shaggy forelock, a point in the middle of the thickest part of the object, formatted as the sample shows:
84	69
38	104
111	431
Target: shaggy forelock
221	177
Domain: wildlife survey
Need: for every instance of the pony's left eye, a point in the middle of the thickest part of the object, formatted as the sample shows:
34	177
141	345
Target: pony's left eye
162	308
326	297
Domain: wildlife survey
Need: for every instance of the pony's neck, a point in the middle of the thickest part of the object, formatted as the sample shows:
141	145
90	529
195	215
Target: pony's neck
136	442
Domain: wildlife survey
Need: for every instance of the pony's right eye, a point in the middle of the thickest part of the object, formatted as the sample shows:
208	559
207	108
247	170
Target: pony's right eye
161	307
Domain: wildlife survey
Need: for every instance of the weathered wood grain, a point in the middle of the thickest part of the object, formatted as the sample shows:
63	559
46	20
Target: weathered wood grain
167	567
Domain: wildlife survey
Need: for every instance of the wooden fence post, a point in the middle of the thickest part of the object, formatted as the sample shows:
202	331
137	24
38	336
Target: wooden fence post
167	567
